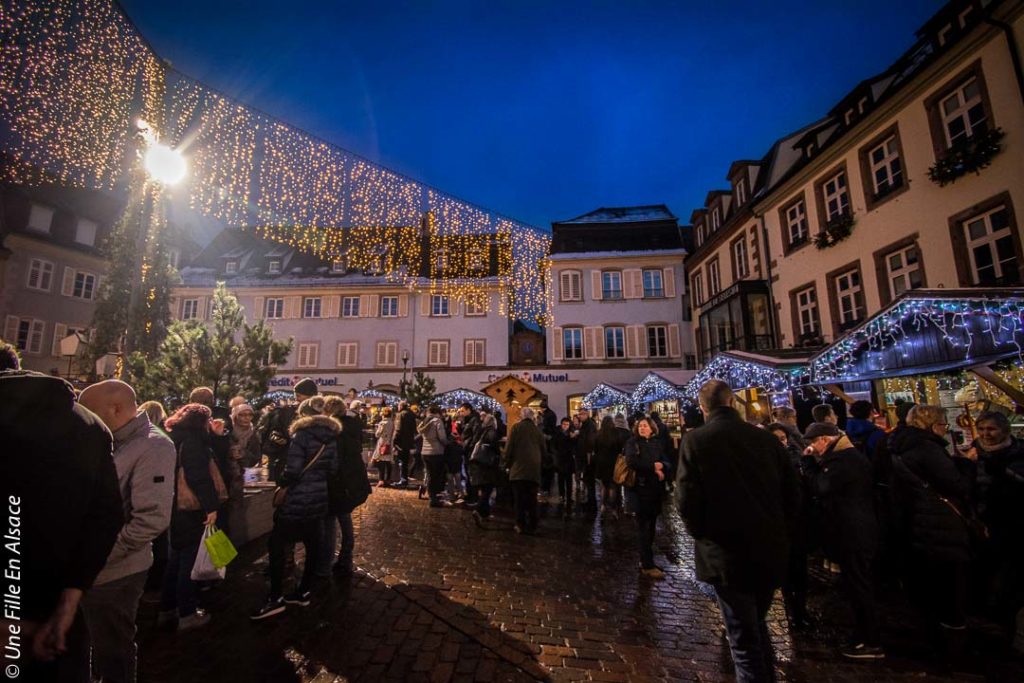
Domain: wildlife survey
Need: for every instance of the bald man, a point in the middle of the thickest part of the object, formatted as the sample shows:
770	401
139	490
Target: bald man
145	462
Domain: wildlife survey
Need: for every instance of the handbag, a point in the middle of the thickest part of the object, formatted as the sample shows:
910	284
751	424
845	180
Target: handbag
204	568
187	499
623	474
222	551
281	492
976	529
484	454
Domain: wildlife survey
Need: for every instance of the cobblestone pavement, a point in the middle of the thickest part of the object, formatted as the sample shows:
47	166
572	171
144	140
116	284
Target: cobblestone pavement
437	599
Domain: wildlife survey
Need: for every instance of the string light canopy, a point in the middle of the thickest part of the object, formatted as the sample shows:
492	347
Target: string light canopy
456	397
386	398
653	388
744	371
928	331
74	76
604	396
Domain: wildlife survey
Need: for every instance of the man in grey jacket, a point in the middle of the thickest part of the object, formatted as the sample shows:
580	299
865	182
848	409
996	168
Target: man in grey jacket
145	462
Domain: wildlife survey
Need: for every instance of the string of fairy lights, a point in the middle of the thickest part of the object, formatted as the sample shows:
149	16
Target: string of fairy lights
76	74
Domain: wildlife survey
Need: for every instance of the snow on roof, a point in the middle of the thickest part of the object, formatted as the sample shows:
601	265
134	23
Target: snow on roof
625	214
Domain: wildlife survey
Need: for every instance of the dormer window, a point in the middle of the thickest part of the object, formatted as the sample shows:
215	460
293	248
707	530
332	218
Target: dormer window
338	266
231	267
848	117
173	257
962	18
716	219
441	261
943	35
274	266
809	150
862	105
741	192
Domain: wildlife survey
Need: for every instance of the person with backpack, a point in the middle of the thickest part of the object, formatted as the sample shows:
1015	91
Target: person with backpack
347	489
434	443
864	434
273	429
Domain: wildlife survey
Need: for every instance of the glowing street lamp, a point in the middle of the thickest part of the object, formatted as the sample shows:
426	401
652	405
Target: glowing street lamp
163	164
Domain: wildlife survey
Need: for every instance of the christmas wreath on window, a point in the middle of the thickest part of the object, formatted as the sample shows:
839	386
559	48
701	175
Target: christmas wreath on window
836	230
969	155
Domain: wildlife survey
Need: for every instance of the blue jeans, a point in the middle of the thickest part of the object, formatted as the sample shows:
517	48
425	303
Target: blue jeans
744	613
179	589
330	539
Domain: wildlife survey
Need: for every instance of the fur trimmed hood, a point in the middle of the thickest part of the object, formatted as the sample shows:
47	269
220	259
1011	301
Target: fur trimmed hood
312	421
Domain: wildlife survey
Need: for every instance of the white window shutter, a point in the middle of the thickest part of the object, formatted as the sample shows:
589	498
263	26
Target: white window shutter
60	330
11	329
172	303
669	282
100	279
35	338
454	306
374	305
364	305
381	353
595	284
557	351
599	351
314	352
201	308
403	305
673	340
425	304
332	306
588	342
629	283
67	286
631	342
564	286
293	307
260	306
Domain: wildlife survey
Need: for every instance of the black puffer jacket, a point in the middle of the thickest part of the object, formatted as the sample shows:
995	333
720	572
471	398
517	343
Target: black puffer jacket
922	472
607	447
484	432
308	493
843	482
1005	510
192	441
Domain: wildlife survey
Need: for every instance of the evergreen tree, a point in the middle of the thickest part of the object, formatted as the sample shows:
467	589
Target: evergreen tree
422	389
228	355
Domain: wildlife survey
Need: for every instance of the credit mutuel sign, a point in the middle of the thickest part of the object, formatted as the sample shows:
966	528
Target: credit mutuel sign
535	377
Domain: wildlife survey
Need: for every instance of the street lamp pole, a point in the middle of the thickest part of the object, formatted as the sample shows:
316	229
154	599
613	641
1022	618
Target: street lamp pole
404	385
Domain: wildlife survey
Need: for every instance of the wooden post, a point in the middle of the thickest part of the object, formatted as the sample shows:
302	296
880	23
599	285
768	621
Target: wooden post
986	373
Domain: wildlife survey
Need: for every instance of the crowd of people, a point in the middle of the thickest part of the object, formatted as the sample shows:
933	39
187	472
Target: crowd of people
900	507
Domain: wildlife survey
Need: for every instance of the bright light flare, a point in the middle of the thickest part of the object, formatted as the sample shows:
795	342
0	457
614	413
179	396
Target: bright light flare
164	164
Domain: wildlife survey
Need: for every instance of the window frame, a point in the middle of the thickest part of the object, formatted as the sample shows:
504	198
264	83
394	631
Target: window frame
653	292
347	345
386	345
185	306
231	267
566	332
278	302
697	286
608	294
86	276
651	349
440	306
578	274
353	309
958	225
42	272
823	199
796	310
933	105
886	294
306	346
474	309
788	243
872	197
614	330
445	344
384	309
33	324
714	276
95	231
48	230
274	267
477	358
739	273
314	302
836	297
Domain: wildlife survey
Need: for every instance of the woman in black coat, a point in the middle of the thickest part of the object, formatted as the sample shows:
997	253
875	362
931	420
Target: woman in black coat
484	475
932	492
607	447
563	450
189	428
645	455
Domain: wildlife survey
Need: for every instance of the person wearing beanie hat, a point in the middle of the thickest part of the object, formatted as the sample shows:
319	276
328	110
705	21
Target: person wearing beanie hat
841	477
305	388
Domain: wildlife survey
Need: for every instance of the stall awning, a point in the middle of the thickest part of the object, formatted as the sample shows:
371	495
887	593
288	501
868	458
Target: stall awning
654	387
743	370
456	397
928	331
605	395
384	397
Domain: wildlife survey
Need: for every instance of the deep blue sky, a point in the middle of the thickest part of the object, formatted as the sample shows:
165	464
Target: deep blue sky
540	110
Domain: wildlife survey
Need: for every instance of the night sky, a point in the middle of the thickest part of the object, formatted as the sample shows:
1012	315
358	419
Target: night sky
540	110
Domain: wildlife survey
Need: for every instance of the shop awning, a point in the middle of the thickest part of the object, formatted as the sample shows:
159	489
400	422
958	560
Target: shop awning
928	331
376	395
744	370
456	397
605	395
654	387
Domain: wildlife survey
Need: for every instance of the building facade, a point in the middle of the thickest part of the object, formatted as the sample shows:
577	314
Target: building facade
872	200
617	299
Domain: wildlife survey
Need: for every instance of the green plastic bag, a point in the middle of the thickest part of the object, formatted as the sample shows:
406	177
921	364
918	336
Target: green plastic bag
221	550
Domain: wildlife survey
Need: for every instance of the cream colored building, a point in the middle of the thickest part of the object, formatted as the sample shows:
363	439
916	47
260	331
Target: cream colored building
864	169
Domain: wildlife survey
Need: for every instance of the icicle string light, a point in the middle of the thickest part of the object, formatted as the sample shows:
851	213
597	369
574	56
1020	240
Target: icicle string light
75	74
604	396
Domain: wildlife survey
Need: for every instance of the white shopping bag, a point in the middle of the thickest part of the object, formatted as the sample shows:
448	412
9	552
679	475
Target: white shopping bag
203	569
